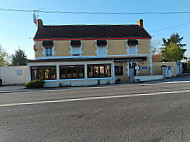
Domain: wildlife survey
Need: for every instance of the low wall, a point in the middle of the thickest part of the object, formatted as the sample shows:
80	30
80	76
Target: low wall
147	78
13	75
157	67
78	82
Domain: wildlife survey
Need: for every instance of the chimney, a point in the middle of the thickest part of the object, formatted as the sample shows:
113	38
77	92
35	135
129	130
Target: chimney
40	23
140	23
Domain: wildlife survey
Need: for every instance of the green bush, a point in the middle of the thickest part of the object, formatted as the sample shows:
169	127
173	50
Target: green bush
35	84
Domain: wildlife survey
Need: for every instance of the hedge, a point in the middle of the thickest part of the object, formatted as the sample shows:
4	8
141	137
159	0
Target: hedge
35	84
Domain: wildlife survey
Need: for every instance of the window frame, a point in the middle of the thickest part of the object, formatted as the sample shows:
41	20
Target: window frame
48	48
81	69
48	51
119	73
96	67
42	69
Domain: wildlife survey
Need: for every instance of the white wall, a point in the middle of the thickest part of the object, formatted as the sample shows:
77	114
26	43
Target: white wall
13	75
148	78
179	68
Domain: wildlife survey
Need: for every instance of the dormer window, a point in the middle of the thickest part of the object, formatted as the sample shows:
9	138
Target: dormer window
48	48
132	46
101	43
76	48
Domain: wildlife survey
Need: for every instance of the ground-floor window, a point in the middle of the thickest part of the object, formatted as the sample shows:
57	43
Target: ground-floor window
99	70
118	70
43	72
71	72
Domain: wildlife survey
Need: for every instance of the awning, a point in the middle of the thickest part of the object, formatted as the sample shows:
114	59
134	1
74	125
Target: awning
132	42
101	42
47	43
75	43
115	59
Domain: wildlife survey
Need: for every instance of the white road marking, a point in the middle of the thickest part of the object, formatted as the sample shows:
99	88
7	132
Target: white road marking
91	98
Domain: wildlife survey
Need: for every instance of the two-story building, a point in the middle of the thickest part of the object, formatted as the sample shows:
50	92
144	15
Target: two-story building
90	54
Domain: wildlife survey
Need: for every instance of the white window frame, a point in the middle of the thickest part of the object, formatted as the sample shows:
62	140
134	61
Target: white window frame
128	48
44	50
72	52
98	48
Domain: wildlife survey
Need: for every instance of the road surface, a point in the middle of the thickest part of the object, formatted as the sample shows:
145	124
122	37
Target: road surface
145	112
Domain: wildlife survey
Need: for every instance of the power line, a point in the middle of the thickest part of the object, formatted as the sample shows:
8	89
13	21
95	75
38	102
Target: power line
170	27
103	13
97	13
17	10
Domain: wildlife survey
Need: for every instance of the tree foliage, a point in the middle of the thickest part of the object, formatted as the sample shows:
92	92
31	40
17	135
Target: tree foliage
172	53
19	58
3	57
173	48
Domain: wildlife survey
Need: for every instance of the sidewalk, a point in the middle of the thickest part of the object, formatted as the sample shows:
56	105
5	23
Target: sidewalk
12	88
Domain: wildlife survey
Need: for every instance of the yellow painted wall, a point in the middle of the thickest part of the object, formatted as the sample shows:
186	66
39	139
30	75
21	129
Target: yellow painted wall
117	47
124	77
62	48
157	67
88	48
143	72
143	46
39	48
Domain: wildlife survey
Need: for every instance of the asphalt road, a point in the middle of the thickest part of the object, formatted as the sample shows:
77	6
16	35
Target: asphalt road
145	112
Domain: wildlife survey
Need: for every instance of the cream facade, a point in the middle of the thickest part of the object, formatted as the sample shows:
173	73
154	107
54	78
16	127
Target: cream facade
89	48
117	48
83	60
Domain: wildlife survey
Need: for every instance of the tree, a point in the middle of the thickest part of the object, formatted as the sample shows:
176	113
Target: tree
173	48
155	49
172	53
174	38
3	57
19	58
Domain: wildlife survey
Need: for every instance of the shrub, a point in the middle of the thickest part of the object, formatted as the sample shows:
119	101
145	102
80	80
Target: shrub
35	84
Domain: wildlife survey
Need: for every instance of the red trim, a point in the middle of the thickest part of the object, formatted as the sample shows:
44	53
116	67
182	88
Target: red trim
35	48
92	38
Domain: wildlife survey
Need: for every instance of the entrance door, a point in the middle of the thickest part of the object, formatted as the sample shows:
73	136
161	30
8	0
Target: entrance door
132	67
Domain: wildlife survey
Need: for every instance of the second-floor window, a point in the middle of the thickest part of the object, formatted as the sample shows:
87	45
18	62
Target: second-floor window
76	48
48	51
48	48
101	48
132	45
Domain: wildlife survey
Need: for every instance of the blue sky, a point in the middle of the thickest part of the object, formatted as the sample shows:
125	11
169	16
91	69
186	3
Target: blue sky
17	28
